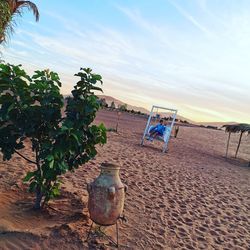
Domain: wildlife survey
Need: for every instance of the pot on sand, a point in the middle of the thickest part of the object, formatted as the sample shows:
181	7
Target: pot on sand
106	196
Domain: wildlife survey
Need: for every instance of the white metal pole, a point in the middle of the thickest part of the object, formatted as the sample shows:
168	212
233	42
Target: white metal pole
148	122
165	146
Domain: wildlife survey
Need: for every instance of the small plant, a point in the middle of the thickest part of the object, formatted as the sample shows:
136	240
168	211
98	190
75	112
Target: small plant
30	109
112	105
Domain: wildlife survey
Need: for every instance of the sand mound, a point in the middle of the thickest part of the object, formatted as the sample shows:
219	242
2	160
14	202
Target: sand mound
189	198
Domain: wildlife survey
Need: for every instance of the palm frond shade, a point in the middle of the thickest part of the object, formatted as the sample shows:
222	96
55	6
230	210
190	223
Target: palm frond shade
236	128
9	9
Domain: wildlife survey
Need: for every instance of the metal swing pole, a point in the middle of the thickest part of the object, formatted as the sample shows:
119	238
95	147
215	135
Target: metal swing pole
148	122
171	127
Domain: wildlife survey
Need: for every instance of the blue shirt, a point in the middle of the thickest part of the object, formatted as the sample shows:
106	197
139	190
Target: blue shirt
159	128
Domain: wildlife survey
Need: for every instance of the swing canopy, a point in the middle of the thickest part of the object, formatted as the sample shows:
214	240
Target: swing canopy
168	129
236	128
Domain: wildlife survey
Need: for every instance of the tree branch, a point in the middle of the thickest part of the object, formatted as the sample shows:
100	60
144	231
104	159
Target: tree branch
25	157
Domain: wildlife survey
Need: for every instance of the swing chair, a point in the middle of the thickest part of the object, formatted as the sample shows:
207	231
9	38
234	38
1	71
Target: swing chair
167	133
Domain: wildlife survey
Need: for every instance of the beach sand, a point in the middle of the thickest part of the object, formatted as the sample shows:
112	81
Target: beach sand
188	198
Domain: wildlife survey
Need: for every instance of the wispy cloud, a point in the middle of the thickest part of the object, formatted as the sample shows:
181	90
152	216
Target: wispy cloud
190	18
201	72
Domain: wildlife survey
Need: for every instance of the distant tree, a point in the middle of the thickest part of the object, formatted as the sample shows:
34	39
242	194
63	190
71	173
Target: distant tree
112	105
9	9
103	103
212	127
123	107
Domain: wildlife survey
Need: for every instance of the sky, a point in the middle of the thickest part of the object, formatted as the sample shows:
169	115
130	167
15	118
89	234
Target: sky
192	55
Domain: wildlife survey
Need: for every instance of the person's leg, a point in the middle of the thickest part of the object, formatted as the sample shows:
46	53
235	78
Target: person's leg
155	134
152	135
152	132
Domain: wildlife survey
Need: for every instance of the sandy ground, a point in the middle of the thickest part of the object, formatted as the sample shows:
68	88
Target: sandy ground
188	198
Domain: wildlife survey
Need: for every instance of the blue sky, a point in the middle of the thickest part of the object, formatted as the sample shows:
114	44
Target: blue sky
191	55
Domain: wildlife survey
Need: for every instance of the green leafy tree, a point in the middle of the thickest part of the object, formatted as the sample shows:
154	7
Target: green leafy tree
9	9
30	109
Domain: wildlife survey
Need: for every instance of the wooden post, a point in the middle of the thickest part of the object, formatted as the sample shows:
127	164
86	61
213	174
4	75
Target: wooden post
228	143
117	121
176	130
238	145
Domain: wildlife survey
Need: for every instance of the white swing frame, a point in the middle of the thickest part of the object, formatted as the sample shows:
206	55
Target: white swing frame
149	120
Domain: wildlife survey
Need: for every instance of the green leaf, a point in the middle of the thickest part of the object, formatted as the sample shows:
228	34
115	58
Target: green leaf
28	176
75	137
50	158
96	88
51	163
32	186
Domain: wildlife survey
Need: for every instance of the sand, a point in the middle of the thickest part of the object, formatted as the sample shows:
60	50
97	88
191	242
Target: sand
188	198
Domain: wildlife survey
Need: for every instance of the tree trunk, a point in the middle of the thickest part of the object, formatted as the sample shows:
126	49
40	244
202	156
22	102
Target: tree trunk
238	145
228	143
38	201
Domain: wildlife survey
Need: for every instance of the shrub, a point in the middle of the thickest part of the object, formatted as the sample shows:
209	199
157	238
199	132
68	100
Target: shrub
123	107
102	103
112	105
30	108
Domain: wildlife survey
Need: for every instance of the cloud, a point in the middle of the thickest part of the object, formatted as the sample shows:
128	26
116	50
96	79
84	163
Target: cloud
190	18
204	74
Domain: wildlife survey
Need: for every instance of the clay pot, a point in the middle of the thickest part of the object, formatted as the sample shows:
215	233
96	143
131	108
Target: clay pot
106	196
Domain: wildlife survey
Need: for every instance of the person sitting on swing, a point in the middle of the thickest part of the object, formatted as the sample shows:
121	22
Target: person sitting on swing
157	130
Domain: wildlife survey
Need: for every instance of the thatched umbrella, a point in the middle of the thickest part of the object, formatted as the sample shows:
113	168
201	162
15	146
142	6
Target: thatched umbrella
236	128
